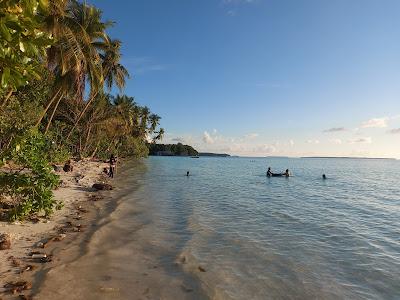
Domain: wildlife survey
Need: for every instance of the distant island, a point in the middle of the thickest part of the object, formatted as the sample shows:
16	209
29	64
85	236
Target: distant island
179	150
214	154
171	150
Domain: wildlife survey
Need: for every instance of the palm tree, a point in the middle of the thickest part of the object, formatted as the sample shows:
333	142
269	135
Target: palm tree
75	57
154	122
144	118
112	71
160	135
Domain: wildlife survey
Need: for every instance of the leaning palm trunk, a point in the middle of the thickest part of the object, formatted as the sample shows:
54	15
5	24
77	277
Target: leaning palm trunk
47	108
81	115
7	98
87	139
53	113
95	150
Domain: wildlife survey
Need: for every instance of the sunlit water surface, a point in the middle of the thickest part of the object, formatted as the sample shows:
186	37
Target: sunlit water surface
255	237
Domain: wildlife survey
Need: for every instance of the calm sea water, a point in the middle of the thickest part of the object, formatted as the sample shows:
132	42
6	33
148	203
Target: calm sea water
294	238
229	232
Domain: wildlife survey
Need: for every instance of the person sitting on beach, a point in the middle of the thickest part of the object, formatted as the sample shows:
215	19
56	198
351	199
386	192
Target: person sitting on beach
286	174
112	162
269	173
68	166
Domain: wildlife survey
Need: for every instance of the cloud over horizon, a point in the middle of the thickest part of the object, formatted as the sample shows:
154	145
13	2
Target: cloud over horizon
365	140
335	129
336	141
312	142
207	138
394	131
375	123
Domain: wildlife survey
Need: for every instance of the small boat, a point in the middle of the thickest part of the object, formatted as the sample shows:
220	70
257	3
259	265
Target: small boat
278	175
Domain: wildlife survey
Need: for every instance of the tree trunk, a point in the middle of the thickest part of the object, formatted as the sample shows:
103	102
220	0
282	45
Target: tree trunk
52	115
95	149
87	139
80	115
47	108
7	98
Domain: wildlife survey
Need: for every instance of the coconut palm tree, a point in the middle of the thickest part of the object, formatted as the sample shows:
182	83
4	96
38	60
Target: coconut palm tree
154	122
80	35
113	73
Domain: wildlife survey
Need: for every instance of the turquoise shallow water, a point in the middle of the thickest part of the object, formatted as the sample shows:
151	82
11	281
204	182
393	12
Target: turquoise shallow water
268	238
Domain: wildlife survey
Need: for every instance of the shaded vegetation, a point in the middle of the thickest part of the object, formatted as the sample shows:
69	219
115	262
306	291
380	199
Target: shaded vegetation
57	67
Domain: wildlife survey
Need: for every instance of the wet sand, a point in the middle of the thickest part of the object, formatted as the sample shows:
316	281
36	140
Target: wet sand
112	261
90	254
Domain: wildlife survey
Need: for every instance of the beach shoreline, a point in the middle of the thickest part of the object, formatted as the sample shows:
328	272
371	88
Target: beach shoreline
49	239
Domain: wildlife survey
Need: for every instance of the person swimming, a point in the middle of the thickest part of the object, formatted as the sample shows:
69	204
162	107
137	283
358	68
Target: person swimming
286	174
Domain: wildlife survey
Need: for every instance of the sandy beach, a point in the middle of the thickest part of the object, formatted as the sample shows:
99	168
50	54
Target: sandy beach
67	256
37	245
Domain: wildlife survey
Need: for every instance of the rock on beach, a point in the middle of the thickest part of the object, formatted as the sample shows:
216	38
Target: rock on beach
102	186
5	241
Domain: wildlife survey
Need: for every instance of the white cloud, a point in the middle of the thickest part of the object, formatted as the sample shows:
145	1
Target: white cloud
336	141
365	140
265	149
394	131
335	129
251	135
207	138
312	141
143	64
375	123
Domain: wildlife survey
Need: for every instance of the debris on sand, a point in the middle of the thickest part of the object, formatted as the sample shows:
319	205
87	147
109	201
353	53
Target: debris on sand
27	268
102	186
5	241
14	261
17	286
201	269
59	237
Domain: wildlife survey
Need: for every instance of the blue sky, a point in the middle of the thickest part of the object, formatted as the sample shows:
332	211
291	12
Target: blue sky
266	77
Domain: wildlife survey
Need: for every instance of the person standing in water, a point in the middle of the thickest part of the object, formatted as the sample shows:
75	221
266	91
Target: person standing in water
323	176
187	173
269	173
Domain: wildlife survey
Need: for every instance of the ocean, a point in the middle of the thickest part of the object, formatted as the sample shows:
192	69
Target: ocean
229	232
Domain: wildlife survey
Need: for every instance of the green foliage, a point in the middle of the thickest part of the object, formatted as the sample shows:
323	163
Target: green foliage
23	109
22	41
32	184
172	149
65	42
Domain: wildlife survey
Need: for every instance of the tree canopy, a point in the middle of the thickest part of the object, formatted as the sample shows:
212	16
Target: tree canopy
58	65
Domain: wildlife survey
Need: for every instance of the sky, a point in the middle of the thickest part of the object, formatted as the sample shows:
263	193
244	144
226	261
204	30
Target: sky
266	77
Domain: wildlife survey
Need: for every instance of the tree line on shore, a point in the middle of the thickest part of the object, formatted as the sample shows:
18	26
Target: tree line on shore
172	150
58	66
